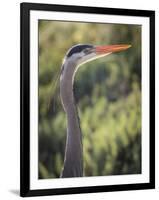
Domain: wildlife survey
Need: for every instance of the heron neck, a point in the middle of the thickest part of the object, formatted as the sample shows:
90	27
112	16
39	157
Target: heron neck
73	162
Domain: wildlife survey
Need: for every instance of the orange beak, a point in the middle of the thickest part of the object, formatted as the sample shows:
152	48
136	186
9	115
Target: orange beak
111	48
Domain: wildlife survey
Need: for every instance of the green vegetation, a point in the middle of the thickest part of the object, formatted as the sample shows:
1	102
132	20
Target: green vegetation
108	94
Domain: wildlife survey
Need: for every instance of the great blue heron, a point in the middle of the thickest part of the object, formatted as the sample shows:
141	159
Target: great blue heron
75	57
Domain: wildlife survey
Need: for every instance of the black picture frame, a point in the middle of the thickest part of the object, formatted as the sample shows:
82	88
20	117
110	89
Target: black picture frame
25	9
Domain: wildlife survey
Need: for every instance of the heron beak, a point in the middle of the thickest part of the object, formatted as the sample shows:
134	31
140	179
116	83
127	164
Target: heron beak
111	48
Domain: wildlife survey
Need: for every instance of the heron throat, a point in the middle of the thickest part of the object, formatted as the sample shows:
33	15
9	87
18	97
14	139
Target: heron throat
73	161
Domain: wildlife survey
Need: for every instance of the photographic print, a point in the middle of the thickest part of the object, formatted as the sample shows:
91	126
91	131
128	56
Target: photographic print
92	126
87	84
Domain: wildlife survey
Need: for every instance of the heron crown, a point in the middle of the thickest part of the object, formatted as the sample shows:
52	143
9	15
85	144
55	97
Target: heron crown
77	49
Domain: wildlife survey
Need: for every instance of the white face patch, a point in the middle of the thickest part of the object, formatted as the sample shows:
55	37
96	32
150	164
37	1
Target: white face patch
90	57
72	63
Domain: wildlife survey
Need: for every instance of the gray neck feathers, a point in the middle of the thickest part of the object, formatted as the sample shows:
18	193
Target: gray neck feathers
73	162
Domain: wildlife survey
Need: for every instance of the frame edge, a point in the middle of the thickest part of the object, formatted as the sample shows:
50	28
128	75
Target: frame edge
24	101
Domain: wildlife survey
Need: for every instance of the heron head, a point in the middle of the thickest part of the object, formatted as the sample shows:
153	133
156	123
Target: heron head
82	53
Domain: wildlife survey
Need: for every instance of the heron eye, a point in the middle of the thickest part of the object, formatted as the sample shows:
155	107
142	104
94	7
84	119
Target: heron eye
86	51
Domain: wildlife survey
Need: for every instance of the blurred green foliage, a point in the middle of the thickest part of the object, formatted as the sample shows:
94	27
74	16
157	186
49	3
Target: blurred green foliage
108	94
